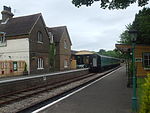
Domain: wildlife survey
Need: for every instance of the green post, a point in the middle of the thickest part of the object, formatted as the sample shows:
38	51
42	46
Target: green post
134	98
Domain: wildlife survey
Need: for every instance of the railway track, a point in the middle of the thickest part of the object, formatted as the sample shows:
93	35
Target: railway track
16	97
25	93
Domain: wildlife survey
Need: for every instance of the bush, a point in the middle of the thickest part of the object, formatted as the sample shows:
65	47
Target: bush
145	102
25	67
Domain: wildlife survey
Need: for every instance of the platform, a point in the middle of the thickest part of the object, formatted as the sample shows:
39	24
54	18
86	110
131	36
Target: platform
108	95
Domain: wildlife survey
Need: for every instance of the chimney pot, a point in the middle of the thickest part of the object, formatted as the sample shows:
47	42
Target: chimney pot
7	8
6	13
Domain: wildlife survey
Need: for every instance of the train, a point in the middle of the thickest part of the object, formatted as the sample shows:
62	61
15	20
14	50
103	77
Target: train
96	62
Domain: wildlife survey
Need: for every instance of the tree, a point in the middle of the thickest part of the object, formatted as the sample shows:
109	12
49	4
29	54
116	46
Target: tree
125	37
112	53
142	25
102	51
52	50
110	4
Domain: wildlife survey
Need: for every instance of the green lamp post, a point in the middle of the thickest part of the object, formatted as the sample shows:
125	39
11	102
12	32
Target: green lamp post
133	34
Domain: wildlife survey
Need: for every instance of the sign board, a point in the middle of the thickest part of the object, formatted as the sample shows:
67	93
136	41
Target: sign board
138	59
15	67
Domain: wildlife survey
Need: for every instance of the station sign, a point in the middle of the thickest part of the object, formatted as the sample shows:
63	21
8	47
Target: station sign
15	67
138	59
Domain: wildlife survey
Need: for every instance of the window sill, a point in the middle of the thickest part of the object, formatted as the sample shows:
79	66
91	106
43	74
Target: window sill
146	68
66	67
40	42
40	68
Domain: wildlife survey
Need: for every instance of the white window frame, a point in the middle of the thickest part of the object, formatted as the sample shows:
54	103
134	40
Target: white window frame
2	39
65	63
148	60
39	37
65	44
40	63
51	37
94	62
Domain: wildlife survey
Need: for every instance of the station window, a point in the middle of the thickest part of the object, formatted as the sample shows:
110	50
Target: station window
65	64
2	65
40	37
2	39
65	44
40	63
146	60
51	37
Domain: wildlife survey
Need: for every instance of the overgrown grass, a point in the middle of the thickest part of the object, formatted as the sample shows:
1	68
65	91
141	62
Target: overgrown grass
140	82
144	94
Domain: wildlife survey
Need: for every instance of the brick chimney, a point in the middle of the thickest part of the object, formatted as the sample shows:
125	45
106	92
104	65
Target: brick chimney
6	13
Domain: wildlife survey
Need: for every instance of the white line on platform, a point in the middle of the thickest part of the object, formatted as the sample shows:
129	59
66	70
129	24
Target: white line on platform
42	108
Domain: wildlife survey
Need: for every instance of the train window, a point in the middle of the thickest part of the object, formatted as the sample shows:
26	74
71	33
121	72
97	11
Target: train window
94	62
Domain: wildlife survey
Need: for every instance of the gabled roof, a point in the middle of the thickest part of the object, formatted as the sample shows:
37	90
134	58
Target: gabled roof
84	52
58	32
124	47
73	52
19	25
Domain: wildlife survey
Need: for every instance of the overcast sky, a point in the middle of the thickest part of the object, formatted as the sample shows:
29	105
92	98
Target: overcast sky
90	28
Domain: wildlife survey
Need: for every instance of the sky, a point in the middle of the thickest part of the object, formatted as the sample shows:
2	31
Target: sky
90	28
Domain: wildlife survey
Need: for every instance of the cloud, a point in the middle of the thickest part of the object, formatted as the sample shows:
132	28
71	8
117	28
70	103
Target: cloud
90	28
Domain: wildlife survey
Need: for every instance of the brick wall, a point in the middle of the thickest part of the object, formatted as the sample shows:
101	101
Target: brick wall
39	50
64	53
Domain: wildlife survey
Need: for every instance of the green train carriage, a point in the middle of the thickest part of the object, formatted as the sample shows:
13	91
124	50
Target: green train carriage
103	63
95	62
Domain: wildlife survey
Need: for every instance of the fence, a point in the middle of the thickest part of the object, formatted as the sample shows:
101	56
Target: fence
11	68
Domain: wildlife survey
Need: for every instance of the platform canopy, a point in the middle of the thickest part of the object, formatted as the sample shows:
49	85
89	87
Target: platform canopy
84	53
124	48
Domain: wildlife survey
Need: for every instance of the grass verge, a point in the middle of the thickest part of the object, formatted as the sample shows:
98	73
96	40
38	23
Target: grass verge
140	82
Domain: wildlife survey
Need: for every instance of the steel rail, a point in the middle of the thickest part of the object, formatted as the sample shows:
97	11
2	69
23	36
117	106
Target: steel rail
70	90
15	96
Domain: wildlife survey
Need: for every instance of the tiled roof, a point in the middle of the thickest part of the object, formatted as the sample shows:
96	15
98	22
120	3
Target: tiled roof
73	52
84	52
57	32
19	25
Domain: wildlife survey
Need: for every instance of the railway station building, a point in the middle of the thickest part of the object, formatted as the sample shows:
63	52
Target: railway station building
142	57
63	44
26	39
25	45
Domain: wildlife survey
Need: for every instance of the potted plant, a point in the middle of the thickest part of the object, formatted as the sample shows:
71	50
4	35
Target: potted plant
25	72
